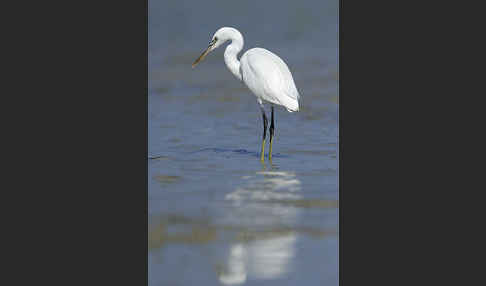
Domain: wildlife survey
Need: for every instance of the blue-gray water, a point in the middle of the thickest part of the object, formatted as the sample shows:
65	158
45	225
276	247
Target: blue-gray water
217	215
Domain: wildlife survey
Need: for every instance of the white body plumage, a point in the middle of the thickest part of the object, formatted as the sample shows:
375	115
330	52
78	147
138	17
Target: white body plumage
263	72
269	78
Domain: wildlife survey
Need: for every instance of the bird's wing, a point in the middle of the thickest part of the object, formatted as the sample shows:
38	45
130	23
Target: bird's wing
271	75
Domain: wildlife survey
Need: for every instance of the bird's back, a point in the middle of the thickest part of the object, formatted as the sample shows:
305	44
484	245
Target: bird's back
269	78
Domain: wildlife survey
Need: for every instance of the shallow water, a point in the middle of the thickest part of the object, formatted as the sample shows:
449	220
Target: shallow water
217	215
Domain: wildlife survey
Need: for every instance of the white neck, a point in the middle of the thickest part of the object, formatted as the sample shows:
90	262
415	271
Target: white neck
232	51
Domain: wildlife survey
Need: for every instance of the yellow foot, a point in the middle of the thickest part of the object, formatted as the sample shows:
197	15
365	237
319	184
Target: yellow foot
263	151
270	150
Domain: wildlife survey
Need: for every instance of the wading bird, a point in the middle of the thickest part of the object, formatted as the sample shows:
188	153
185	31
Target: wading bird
263	72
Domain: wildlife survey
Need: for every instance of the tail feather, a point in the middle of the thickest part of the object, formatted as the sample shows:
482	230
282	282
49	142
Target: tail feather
292	106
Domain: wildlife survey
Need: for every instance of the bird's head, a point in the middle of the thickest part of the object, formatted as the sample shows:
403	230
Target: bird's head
220	37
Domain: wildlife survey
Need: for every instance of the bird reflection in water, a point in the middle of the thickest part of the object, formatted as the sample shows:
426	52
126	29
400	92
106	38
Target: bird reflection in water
265	246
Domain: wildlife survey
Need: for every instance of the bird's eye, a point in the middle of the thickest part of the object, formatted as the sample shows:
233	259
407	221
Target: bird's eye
213	41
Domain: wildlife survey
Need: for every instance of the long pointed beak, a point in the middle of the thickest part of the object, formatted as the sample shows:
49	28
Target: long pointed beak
203	55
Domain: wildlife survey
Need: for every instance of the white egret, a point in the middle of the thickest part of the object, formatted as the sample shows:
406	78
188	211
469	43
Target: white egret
263	72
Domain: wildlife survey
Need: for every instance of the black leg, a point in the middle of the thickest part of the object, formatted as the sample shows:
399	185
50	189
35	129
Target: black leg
265	123
272	126
272	132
